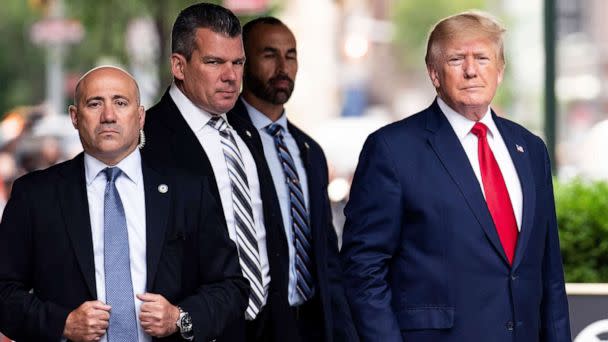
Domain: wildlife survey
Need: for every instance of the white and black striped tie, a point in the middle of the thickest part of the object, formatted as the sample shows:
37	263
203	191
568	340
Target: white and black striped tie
249	254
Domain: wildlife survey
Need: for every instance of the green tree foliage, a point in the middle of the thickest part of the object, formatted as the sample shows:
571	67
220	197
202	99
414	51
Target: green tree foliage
582	217
21	63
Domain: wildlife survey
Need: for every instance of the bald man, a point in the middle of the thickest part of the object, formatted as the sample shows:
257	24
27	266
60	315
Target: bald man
106	248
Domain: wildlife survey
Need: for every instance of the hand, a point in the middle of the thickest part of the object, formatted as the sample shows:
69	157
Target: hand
158	317
88	322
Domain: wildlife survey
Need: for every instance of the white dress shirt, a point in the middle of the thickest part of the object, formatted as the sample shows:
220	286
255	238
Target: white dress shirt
130	186
210	140
261	121
462	127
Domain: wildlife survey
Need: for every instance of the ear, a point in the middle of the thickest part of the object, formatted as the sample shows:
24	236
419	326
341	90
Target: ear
501	72
142	116
178	63
434	75
73	115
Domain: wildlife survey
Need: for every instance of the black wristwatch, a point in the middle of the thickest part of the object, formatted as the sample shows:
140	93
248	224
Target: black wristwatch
184	324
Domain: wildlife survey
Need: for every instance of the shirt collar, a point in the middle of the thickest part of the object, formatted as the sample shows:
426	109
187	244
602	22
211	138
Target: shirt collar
261	121
130	167
462	125
196	117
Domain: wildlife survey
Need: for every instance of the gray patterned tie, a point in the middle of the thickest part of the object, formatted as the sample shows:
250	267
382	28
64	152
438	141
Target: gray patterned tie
119	288
247	242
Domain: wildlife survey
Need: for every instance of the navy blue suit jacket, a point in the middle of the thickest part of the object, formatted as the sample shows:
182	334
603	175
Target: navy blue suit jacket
334	308
46	245
421	255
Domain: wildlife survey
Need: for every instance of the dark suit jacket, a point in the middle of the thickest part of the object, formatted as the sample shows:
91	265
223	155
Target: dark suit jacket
170	141
334	307
46	245
422	258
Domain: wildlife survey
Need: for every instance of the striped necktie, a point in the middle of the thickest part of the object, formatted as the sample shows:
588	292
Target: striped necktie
247	242
299	216
117	267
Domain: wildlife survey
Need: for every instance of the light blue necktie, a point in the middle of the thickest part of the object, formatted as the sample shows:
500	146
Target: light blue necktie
300	221
119	288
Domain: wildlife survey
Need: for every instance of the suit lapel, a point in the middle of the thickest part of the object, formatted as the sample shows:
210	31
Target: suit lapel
185	143
303	146
187	150
449	150
315	207
75	210
520	157
157	211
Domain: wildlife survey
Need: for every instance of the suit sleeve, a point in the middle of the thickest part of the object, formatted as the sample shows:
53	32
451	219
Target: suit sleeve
23	316
223	294
555	322
370	239
343	327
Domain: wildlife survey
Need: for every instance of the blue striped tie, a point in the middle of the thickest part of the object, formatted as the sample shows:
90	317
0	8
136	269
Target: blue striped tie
249	255
299	216
117	267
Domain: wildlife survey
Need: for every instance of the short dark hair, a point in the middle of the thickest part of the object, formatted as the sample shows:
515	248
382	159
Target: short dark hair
247	28
204	15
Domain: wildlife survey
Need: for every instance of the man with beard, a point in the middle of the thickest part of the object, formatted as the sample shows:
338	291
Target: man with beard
317	306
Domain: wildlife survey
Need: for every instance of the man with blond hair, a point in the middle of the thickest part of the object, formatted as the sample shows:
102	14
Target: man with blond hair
450	229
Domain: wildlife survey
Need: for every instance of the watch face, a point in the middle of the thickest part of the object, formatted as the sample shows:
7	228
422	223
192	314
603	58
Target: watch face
186	323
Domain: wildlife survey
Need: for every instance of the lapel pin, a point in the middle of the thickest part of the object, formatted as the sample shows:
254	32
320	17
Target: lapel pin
163	188
306	145
520	149
248	133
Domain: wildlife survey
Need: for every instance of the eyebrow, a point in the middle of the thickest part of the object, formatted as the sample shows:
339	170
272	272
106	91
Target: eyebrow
211	57
271	49
100	98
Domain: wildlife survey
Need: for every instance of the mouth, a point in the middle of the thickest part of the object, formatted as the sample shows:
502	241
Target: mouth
281	82
227	92
472	87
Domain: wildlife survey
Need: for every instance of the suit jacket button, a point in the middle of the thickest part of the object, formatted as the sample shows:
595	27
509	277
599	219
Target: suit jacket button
510	325
514	277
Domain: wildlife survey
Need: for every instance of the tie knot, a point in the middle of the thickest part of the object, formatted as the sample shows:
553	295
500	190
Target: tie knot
218	123
112	173
274	129
480	130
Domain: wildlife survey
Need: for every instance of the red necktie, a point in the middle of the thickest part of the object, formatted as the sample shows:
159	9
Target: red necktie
497	196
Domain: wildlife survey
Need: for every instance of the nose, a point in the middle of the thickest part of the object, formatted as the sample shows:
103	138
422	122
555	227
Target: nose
108	114
229	73
282	64
469	68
